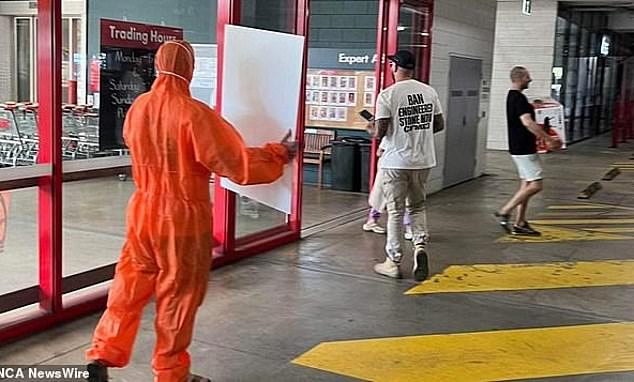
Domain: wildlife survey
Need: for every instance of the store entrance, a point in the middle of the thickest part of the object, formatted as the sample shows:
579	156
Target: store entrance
346	71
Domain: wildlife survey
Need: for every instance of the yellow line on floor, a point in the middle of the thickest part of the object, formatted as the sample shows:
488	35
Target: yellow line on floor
579	207
560	234
611	230
574	214
588	206
582	221
502	355
506	277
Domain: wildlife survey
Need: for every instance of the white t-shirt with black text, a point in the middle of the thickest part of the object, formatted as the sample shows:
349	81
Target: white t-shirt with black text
409	143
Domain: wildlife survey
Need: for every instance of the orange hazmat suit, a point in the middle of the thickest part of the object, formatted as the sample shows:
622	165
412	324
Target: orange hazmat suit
176	143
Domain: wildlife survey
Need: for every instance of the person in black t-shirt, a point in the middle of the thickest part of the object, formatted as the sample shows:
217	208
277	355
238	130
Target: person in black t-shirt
523	132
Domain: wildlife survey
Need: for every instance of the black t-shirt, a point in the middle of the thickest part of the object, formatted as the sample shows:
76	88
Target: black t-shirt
521	140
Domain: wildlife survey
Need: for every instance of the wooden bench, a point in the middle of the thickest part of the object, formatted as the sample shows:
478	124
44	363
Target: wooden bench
317	149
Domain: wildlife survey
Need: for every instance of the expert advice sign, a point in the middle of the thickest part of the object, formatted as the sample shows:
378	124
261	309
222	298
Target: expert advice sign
127	70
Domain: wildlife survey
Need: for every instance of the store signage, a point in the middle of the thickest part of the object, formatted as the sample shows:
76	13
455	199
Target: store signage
605	45
351	60
127	70
527	7
134	35
330	58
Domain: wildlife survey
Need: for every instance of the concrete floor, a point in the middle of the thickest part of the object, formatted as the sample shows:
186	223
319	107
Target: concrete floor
264	312
94	225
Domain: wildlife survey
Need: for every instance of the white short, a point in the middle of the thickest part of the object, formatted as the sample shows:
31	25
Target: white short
529	167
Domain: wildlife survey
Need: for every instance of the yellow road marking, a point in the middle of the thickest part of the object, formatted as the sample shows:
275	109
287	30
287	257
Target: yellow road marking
506	277
502	355
611	230
578	207
573	214
582	221
558	234
588	206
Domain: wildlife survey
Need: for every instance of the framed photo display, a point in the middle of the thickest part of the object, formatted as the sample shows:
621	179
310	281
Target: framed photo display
334	98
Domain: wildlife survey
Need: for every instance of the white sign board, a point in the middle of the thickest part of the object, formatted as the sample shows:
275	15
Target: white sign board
527	7
605	45
261	83
203	85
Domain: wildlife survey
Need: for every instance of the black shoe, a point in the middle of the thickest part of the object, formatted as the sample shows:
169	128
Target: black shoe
421	264
97	372
525	230
197	378
503	219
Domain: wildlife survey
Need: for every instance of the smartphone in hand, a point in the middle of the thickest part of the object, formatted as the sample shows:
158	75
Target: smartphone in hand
366	115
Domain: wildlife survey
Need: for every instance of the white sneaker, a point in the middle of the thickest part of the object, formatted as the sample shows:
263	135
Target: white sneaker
373	226
388	268
421	264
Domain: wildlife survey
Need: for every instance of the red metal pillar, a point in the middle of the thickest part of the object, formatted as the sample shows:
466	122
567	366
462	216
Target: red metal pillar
224	210
381	41
427	39
301	29
629	134
72	92
49	53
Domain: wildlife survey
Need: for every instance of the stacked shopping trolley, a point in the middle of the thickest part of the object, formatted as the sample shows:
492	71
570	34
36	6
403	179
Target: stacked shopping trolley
19	141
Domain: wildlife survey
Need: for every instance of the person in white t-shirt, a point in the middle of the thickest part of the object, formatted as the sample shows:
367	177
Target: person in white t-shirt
408	114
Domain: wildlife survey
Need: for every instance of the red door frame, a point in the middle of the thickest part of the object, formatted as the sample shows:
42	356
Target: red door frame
52	309
50	290
387	43
229	248
49	37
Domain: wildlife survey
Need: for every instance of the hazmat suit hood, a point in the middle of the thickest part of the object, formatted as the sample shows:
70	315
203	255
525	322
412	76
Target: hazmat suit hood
175	64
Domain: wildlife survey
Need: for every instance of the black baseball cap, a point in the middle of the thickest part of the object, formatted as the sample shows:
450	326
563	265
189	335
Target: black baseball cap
404	59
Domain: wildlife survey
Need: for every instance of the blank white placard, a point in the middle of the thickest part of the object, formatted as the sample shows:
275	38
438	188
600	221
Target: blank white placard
261	83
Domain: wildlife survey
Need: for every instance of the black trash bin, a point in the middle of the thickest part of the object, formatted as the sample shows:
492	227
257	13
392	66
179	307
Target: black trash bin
342	165
346	163
365	150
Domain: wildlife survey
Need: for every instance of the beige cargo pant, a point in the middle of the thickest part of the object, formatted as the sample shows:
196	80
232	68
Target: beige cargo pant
404	189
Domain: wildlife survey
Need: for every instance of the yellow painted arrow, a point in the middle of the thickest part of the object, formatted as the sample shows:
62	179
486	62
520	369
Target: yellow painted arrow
506	277
582	221
502	355
558	234
588	206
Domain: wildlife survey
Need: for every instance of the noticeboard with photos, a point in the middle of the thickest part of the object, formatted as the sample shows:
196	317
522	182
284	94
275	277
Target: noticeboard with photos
334	98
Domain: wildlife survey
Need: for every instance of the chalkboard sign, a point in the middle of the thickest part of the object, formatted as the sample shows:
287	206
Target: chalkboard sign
127	70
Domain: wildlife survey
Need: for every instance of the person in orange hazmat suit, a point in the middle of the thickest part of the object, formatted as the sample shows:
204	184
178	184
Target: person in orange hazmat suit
176	143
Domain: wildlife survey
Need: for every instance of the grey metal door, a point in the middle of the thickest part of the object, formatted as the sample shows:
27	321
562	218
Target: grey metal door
462	120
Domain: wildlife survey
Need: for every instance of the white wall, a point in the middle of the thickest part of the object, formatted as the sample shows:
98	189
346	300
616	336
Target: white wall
466	31
520	40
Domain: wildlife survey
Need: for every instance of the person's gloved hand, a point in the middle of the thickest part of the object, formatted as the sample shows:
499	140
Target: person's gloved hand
291	146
